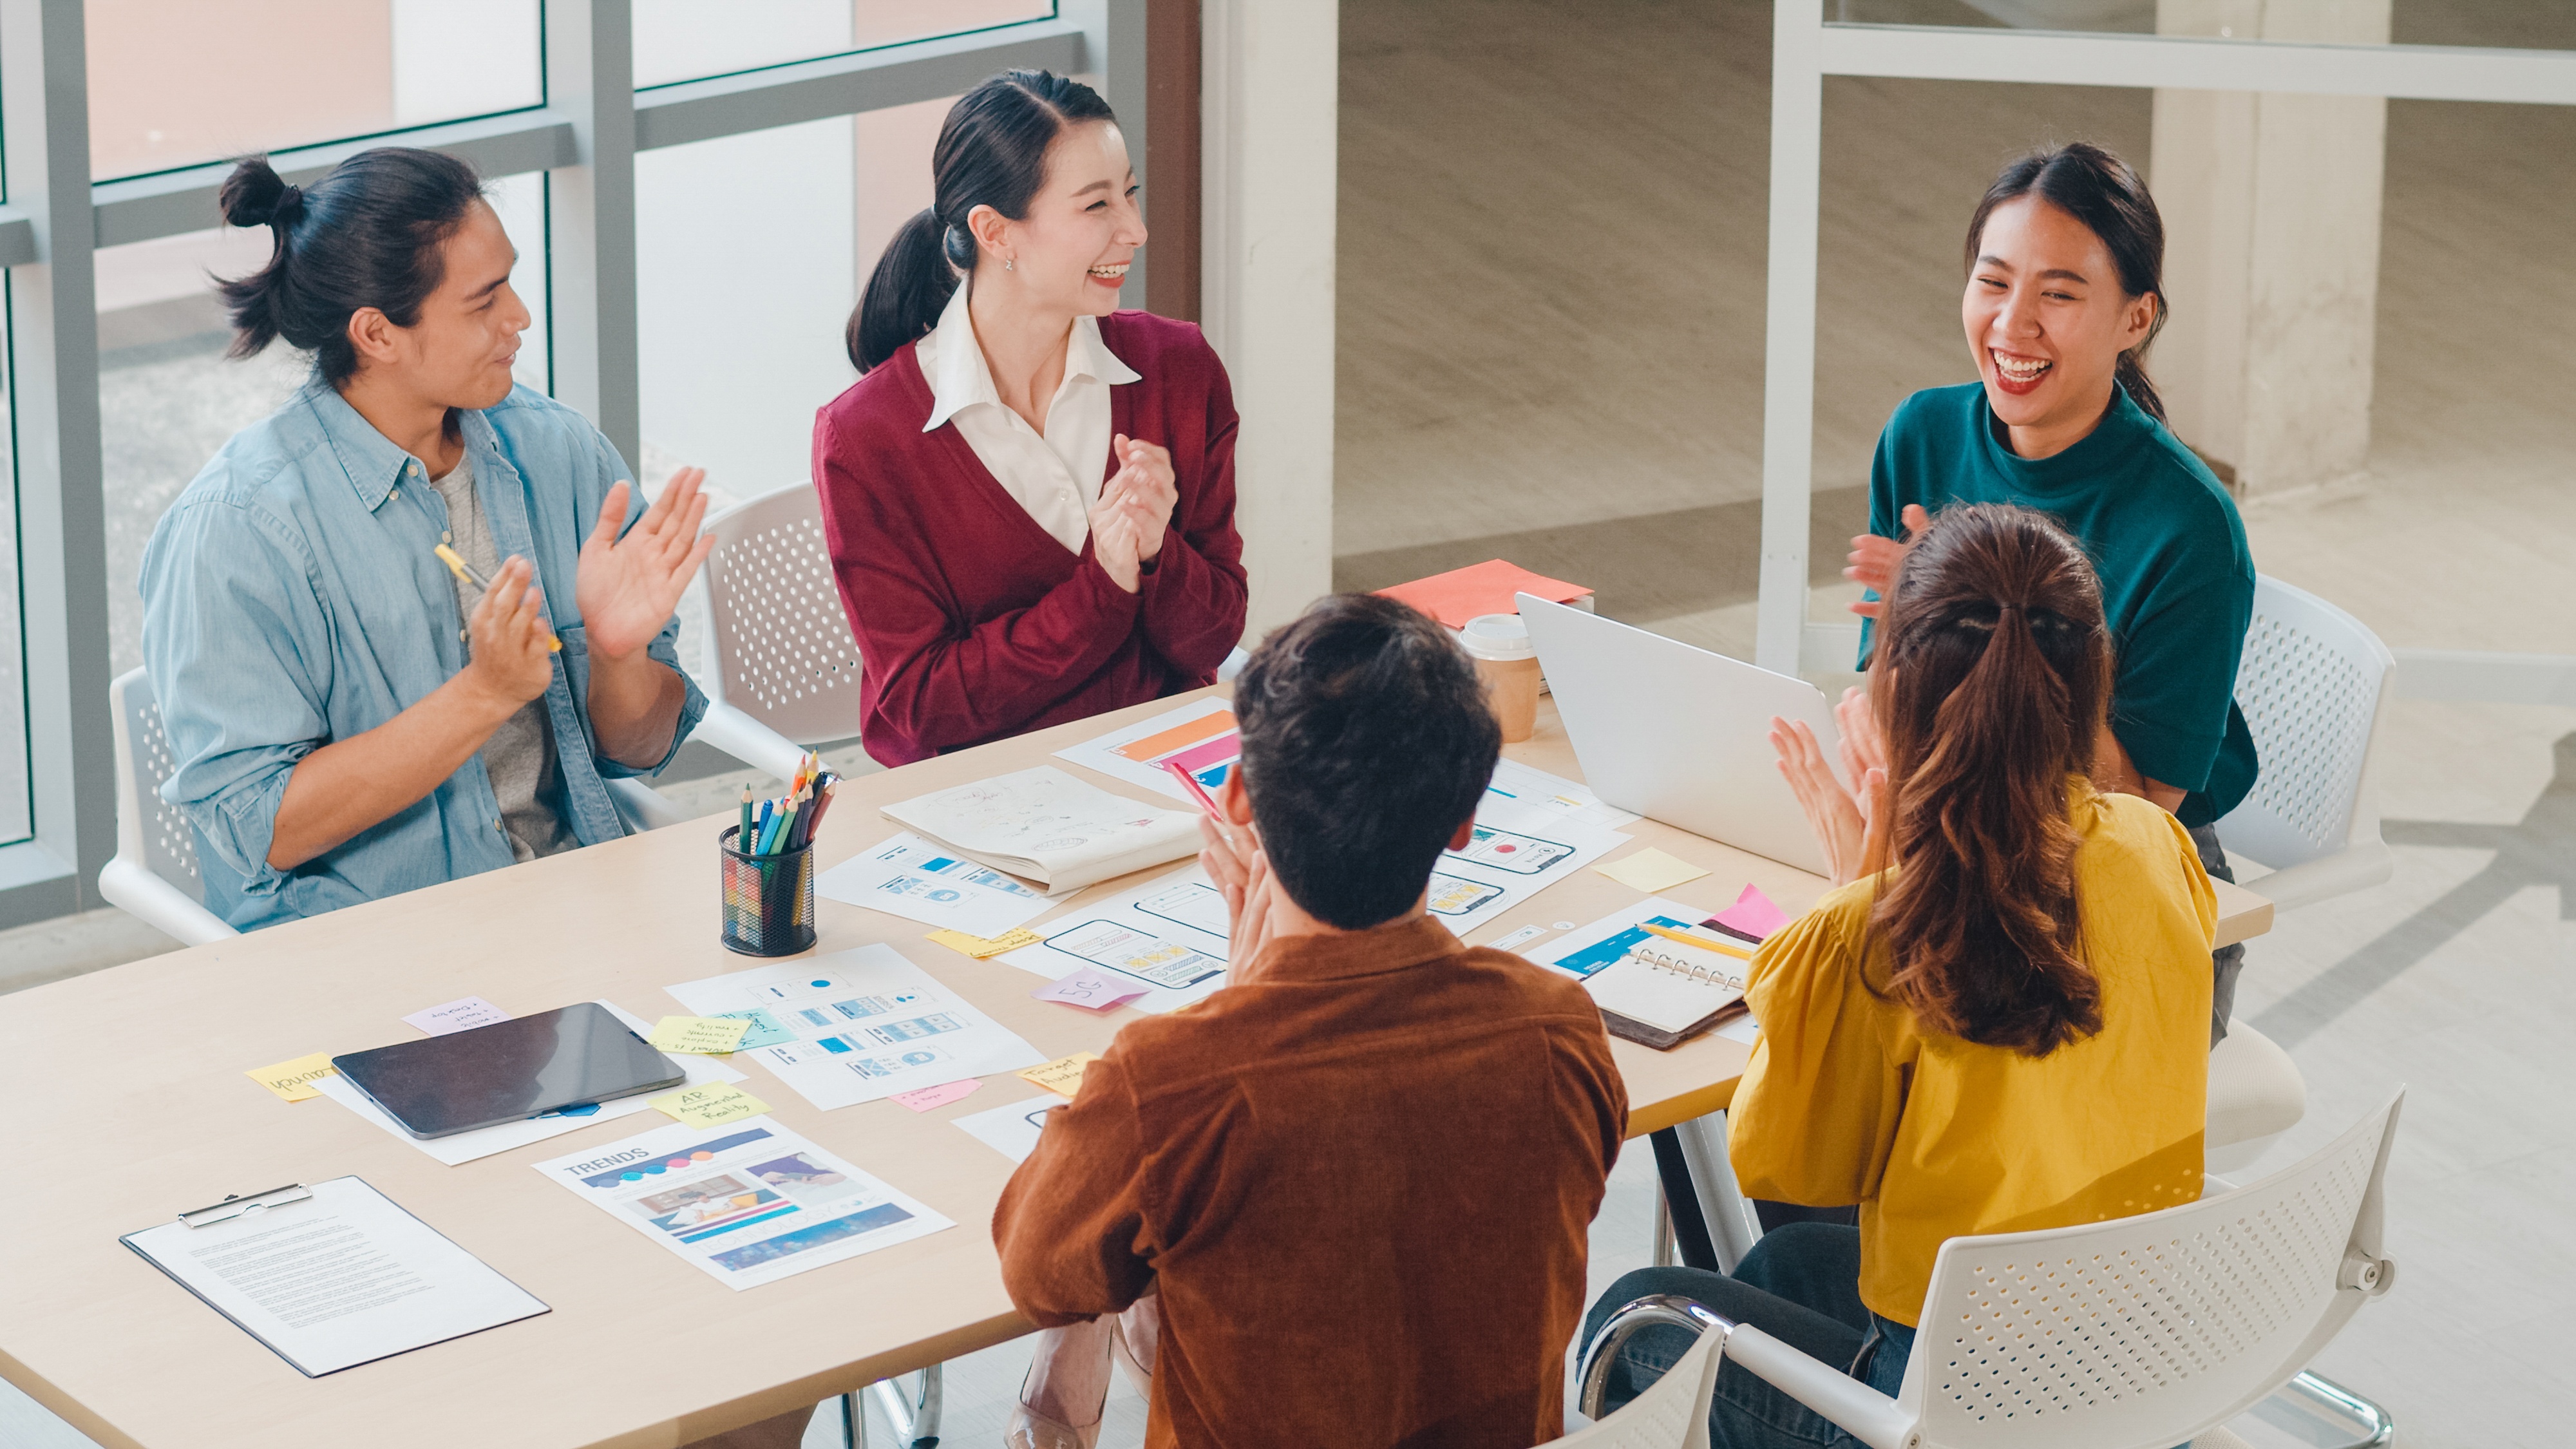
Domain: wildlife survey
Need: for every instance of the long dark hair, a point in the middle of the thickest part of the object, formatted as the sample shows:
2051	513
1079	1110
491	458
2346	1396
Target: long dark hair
367	235
991	152
2099	190
1992	677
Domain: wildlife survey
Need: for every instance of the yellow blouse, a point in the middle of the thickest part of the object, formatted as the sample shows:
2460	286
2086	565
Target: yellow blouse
1847	1100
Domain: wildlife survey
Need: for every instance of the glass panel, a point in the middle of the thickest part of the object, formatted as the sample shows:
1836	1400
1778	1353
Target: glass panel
17	819
181	82
736	359
168	397
677	40
2507	24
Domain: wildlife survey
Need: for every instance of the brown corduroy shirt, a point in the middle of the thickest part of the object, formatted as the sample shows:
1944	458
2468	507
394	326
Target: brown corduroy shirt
1362	1179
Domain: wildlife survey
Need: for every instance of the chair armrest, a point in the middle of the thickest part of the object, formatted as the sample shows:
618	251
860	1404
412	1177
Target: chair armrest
1863	1412
641	806
162	906
728	728
1235	659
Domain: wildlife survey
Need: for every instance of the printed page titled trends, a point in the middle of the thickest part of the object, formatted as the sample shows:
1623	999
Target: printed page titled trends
747	1204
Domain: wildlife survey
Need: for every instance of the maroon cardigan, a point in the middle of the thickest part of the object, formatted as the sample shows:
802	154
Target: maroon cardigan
973	622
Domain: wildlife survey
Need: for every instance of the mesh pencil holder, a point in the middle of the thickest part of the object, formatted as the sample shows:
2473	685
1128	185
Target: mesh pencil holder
768	899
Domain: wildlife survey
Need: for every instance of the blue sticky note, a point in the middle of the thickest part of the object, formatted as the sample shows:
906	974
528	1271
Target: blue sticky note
763	1031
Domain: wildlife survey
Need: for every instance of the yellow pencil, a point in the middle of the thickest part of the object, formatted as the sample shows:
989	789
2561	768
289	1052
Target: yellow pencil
1720	947
457	565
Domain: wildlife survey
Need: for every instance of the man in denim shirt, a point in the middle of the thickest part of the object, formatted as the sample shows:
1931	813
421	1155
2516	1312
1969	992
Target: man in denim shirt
338	737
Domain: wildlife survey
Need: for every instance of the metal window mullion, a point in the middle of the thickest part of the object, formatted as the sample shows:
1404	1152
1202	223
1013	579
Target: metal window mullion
1114	59
590	218
62	516
1789	352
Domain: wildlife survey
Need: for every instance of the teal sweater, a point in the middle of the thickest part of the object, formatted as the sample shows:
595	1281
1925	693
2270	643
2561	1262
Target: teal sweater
2177	579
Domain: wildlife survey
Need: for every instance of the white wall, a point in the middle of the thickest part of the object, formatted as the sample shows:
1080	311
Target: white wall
1271	98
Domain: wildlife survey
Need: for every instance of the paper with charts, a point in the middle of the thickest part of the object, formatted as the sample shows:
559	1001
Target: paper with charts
747	1204
1199	737
1167	935
1046	826
867	1024
910	877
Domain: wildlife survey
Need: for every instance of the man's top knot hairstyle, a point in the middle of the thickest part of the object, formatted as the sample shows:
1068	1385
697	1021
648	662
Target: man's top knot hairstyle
367	235
1367	742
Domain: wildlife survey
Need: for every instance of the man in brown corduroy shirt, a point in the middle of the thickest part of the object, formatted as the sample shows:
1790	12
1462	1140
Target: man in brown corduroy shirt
1358	1178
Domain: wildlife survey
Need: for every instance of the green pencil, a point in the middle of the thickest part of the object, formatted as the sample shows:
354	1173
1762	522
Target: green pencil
742	837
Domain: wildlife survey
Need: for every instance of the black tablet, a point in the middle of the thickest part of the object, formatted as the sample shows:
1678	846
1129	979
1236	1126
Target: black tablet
525	1067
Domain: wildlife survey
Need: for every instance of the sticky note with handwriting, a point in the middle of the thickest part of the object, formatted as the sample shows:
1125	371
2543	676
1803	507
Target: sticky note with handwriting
980	947
294	1080
763	1031
460	1015
1651	870
1092	989
712	1105
924	1098
1063	1076
707	1036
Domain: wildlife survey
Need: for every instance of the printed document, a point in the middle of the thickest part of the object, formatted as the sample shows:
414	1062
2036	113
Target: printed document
1013	1130
1167	937
747	1205
459	1147
867	1024
910	877
342	1278
1199	737
1048	827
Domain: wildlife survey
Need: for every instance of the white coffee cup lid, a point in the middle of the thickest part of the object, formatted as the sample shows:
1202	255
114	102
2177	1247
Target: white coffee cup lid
1498	636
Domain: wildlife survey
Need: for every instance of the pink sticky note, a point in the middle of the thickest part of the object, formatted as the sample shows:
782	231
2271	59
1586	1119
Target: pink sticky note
928	1097
473	1011
1090	988
1752	914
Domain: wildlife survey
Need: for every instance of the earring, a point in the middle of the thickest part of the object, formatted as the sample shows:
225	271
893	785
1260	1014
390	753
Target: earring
1009	265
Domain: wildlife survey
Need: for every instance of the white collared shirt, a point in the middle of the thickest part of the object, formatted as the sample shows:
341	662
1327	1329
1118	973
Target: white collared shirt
1057	477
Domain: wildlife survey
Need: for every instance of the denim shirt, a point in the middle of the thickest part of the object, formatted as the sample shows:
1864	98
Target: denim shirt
291	598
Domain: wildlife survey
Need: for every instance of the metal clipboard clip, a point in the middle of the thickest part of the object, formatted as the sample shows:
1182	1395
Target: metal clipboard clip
234	1206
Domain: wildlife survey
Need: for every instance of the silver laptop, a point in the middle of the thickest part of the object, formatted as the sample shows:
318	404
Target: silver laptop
1679	733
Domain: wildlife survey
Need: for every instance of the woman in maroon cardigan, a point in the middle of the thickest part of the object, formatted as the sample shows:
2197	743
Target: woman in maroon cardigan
1011	548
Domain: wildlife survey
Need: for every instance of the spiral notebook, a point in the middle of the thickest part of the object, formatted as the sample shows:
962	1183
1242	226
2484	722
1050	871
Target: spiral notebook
1665	991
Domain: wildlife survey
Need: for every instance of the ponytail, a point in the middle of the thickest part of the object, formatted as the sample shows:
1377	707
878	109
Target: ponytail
2101	191
992	152
1994	671
367	235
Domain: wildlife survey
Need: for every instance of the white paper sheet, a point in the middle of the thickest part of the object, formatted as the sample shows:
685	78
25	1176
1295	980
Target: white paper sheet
747	1203
910	877
1013	1130
462	1147
1517	851
868	1024
1527	798
342	1278
1135	752
1167	935
1046	826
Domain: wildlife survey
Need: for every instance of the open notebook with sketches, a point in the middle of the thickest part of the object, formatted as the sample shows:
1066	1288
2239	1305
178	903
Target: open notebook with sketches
1046	826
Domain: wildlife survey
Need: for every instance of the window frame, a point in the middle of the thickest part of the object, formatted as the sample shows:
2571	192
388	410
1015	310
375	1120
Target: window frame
585	138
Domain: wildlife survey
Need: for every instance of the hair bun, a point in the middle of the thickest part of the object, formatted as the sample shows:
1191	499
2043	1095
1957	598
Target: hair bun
255	195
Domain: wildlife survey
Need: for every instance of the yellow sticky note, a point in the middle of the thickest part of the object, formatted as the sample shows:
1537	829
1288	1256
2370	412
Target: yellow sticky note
294	1080
711	1106
1651	870
980	947
1063	1076
708	1036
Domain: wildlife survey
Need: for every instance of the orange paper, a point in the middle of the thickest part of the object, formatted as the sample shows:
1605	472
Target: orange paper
1459	595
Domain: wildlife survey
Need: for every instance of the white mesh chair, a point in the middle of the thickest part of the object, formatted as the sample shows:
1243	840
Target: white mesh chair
2137	1333
2313	685
782	667
1673	1411
153	877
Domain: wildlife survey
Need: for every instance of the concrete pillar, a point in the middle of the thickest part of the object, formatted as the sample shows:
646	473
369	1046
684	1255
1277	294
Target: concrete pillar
2271	209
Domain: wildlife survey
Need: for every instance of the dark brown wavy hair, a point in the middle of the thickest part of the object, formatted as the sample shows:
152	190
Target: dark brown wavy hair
1991	677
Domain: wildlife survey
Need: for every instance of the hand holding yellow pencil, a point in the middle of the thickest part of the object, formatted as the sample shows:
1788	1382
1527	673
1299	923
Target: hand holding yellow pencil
466	572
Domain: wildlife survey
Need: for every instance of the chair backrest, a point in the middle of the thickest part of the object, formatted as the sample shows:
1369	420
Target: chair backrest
1671	1414
149	829
2141	1332
2313	684
780	649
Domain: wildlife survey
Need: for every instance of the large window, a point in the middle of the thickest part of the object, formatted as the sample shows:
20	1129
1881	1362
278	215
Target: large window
679	40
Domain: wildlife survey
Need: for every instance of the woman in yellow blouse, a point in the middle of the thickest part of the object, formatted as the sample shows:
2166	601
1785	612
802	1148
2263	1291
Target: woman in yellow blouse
1998	1021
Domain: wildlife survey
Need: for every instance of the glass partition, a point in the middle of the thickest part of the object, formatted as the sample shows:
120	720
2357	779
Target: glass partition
680	40
181	82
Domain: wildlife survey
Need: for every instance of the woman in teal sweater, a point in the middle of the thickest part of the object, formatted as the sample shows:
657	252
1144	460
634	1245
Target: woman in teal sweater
2065	263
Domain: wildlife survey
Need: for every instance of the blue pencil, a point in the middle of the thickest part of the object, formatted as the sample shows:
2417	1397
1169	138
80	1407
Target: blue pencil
758	829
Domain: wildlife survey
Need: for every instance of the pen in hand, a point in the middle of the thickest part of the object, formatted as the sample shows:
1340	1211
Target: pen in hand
467	573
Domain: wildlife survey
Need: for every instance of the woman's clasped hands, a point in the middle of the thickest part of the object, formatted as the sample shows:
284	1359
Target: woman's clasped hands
1134	511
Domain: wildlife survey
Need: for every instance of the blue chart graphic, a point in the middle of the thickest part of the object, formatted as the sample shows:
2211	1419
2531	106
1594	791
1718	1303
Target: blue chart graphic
1593	958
